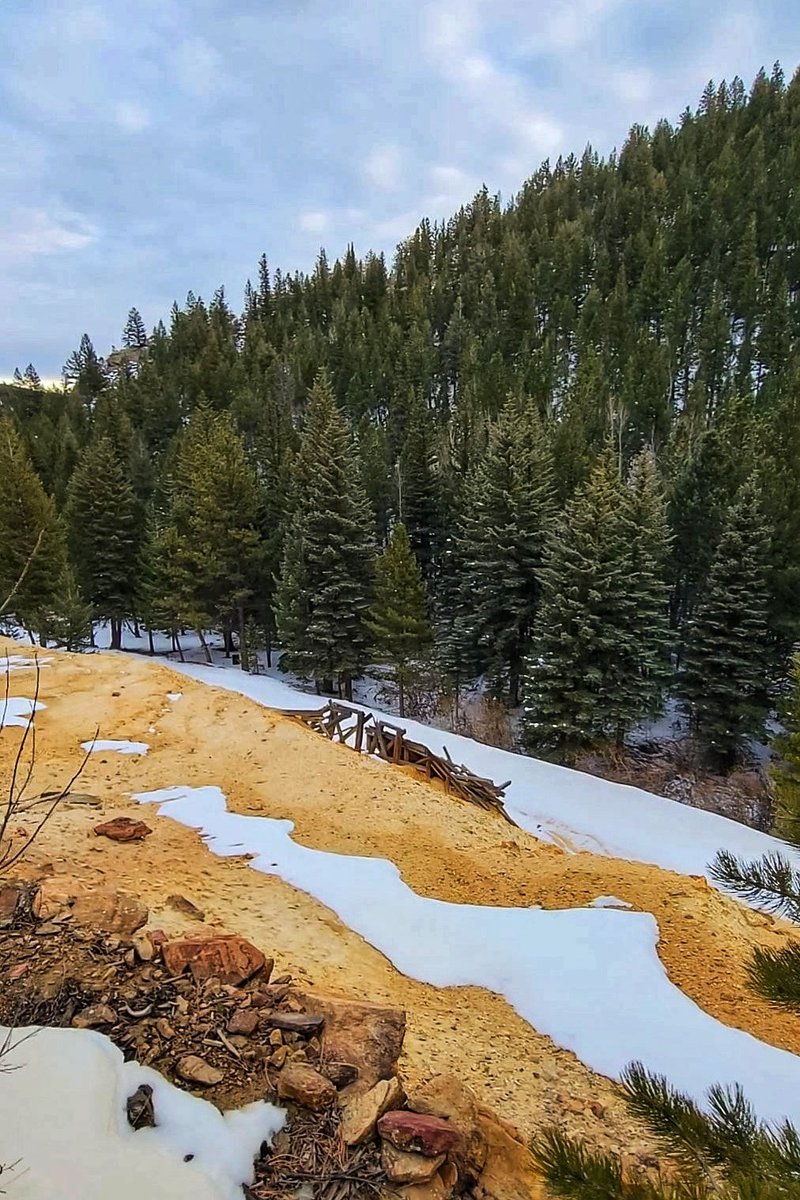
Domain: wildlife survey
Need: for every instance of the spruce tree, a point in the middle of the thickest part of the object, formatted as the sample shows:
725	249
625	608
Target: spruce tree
399	624
786	771
510	509
324	590
576	692
103	518
32	544
723	686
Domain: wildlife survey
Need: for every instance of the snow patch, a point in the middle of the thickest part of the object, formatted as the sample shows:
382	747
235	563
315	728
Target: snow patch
173	697
64	1127
119	747
19	662
17	710
588	978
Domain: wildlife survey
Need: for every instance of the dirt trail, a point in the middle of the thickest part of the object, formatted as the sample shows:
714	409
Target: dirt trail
271	766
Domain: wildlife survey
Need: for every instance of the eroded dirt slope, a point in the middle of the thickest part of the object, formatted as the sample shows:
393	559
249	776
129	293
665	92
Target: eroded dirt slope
269	765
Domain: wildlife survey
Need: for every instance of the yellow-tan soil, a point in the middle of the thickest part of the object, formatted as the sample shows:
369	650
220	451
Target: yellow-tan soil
269	765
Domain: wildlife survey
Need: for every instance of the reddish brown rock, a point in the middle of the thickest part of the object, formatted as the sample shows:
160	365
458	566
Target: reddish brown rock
243	1020
123	829
361	1113
18	971
306	1086
340	1074
446	1097
402	1166
194	1069
418	1132
10	897
227	957
369	1036
97	908
93	1016
296	1022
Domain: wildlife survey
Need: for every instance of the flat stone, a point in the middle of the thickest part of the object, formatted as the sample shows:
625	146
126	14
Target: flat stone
243	1020
123	829
194	1069
370	1036
94	1015
360	1114
228	958
403	1166
440	1187
296	1022
306	1087
101	909
415	1131
181	904
10	897
18	971
445	1096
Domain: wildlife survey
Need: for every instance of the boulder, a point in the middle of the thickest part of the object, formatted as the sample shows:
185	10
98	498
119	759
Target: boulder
94	1015
306	1087
226	957
97	908
510	1172
402	1166
362	1112
419	1132
243	1020
370	1036
123	829
440	1187
194	1069
446	1097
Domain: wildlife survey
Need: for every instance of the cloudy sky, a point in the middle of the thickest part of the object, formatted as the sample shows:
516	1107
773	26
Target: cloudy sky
150	148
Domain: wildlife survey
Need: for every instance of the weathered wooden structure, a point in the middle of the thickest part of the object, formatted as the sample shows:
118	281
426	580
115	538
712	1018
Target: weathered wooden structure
366	735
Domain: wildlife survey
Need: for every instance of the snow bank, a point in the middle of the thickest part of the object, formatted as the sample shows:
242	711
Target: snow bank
119	747
554	803
18	662
64	1128
589	978
17	710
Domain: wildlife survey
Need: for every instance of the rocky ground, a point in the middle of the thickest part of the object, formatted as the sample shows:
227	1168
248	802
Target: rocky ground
269	765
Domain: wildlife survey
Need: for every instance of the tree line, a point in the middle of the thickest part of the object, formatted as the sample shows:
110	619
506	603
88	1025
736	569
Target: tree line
553	444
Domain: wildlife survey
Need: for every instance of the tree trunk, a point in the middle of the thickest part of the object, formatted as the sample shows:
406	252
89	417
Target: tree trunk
268	643
116	633
137	633
347	680
204	644
176	641
243	648
150	640
227	639
401	692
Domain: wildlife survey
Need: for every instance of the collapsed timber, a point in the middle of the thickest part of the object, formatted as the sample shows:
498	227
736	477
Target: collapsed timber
365	734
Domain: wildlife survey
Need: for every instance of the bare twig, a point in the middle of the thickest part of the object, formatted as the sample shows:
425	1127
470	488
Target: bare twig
24	572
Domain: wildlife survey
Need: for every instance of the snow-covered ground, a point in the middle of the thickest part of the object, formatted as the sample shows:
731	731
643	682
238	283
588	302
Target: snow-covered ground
17	710
115	746
554	803
64	1131
590	978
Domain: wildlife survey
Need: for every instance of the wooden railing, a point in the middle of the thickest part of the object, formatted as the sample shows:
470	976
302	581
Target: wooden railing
365	734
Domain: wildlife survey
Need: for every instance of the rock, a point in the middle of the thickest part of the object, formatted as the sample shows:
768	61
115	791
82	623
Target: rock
123	829
227	957
82	798
361	1113
278	1057
340	1074
18	971
243	1020
401	1166
510	1172
276	1038
419	1132
164	1029
181	904
98	908
139	1107
440	1187
296	1022
94	1015
306	1086
269	996
446	1097
142	944
10	897
369	1036
194	1069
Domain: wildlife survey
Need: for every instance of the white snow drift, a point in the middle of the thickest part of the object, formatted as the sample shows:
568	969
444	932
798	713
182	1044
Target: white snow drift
17	710
590	978
114	745
64	1130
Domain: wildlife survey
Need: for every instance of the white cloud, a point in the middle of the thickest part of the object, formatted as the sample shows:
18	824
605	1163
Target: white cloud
314	220
131	117
382	168
30	232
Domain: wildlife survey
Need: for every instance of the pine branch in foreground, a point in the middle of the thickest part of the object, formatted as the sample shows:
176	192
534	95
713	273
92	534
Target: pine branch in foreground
571	1168
771	882
775	975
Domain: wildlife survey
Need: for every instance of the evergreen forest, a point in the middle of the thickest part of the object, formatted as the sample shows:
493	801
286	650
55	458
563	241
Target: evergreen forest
553	444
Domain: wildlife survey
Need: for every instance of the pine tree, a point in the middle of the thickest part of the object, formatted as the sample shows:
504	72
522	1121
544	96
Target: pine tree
723	686
103	518
134	335
32	544
324	590
399	624
786	771
510	510
68	623
575	693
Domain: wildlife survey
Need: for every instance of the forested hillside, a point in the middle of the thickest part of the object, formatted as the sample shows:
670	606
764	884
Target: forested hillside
554	443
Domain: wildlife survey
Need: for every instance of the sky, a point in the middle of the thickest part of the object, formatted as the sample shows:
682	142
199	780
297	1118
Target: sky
154	148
